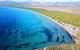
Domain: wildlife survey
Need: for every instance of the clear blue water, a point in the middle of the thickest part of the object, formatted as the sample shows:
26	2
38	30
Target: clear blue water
25	30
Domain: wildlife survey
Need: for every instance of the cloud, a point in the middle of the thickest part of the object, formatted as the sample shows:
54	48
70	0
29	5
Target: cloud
42	0
2	0
19	0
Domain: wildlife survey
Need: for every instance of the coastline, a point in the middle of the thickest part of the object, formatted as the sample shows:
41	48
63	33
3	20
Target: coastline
54	21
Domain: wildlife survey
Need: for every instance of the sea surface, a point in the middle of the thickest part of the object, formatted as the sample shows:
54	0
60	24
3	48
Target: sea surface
22	29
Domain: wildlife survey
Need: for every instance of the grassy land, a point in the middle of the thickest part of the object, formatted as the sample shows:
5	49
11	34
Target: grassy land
64	47
61	16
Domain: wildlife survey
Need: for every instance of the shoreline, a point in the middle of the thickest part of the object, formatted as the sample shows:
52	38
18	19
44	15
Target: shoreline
52	20
57	22
68	27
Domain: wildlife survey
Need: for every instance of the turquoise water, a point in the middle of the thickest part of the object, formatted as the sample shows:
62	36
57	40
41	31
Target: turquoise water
25	30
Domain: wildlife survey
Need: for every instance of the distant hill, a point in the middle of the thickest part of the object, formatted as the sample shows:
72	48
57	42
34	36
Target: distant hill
72	4
40	4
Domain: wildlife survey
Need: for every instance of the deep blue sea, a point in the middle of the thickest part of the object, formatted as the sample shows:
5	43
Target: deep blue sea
22	29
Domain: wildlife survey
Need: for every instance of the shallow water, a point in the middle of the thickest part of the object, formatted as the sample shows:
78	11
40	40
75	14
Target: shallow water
25	30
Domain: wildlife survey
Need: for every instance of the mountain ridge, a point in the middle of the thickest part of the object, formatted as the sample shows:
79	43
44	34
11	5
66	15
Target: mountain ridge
40	4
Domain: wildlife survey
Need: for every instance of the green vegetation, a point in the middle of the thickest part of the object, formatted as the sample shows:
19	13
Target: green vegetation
73	19
64	47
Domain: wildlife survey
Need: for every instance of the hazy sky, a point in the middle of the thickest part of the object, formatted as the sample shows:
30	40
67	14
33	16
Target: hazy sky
45	0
